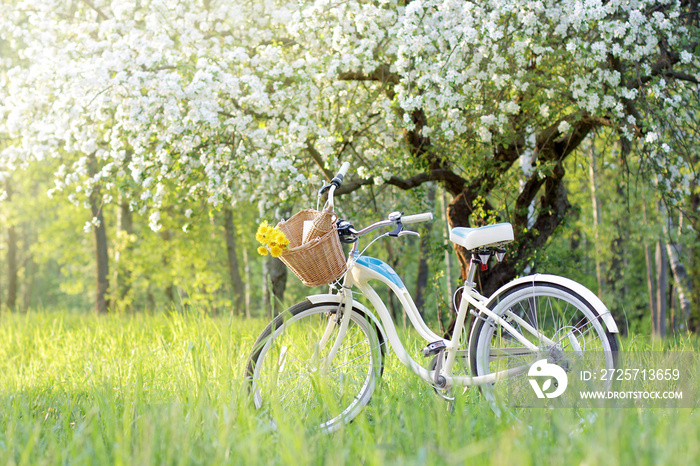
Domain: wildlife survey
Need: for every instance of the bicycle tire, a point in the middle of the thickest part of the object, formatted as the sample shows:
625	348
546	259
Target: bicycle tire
285	376
559	313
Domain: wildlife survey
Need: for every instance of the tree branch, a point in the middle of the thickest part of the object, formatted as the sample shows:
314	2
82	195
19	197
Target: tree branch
682	76
662	67
382	74
441	174
245	111
318	158
100	15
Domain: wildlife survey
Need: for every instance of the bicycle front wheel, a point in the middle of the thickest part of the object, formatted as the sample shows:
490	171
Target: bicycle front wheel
562	324
290	374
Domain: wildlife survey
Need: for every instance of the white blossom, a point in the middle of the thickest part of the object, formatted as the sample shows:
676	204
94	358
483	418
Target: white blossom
563	127
225	102
484	134
154	221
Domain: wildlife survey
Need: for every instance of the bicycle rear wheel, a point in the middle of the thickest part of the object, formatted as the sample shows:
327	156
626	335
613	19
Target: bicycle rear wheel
562	324
289	375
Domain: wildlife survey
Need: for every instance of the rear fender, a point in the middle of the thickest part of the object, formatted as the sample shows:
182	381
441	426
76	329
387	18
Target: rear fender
579	289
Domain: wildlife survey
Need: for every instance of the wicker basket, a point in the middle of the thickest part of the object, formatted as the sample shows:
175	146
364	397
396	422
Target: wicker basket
320	260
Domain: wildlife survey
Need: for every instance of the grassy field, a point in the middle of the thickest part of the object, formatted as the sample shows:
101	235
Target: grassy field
167	389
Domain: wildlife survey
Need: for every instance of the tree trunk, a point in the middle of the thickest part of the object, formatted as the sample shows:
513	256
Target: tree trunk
694	264
246	270
650	282
448	251
595	204
672	308
391	301
554	204
659	320
166	235
237	286
423	272
551	148
12	267
278	279
125	227
423	269
680	276
683	286
101	253
29	269
693	255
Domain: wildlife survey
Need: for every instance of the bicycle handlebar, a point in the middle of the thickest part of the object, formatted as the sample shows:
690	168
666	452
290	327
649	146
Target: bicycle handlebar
338	180
407	220
417	218
343	171
335	183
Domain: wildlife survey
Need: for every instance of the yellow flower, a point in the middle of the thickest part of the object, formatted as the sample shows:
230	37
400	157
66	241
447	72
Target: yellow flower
273	240
261	234
280	239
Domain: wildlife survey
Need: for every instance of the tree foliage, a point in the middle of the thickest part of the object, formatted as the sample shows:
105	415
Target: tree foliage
164	103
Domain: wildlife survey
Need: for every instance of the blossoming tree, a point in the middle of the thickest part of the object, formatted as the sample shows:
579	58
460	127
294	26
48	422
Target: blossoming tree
215	98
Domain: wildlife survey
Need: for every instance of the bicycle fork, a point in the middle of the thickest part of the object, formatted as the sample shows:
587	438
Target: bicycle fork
344	316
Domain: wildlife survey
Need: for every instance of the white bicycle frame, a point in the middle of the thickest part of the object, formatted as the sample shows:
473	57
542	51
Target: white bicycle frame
362	269
359	275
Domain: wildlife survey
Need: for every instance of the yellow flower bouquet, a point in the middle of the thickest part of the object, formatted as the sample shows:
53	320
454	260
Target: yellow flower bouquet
272	240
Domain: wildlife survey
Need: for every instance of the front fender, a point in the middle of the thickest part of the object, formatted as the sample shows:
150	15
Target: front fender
577	288
369	315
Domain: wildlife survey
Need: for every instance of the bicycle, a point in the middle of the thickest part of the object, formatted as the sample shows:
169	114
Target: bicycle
325	354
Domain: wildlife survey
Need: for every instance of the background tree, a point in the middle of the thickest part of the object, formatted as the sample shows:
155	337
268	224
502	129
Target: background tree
489	99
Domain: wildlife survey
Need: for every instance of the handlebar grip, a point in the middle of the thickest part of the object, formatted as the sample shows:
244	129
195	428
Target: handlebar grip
417	218
338	179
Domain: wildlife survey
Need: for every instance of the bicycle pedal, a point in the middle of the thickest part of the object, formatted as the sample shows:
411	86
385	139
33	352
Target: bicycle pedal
434	348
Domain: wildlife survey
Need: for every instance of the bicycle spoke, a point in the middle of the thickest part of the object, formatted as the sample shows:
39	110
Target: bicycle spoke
290	376
563	326
335	368
345	350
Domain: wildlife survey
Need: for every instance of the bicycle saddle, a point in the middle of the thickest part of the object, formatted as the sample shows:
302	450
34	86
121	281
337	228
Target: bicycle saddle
483	237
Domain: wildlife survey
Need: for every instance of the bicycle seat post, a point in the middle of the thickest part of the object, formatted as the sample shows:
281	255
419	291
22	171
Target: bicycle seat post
471	272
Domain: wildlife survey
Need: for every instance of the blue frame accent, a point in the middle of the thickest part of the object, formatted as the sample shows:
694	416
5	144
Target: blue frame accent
382	268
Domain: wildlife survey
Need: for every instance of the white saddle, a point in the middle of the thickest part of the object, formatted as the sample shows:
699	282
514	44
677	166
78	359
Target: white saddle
490	236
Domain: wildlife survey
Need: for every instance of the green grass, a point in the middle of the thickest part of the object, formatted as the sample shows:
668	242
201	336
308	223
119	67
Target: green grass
167	389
